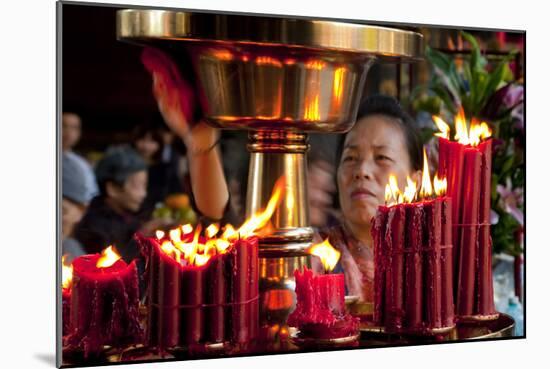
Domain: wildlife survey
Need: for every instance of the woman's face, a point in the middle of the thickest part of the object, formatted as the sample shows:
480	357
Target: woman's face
373	149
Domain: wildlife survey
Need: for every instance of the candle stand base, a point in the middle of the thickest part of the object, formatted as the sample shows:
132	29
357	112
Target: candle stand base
302	341
477	318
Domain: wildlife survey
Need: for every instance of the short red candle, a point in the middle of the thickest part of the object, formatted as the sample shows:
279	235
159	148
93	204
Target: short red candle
395	239
380	260
432	259
104	305
320	306
447	303
413	266
66	309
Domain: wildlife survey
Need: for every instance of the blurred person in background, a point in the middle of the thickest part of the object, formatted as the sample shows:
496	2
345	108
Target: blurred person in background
112	217
71	129
155	146
75	199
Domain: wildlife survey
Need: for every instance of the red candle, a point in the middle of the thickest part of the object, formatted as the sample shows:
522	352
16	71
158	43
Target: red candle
469	227
432	259
320	306
486	304
451	166
104	304
320	303
378	232
216	299
240	289
395	239
413	267
67	276
447	304
66	310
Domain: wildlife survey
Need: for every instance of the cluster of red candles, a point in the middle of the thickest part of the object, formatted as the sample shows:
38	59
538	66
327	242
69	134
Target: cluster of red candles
466	163
413	289
104	302
320	306
201	289
204	288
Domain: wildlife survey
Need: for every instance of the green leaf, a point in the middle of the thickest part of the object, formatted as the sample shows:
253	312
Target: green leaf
495	79
447	67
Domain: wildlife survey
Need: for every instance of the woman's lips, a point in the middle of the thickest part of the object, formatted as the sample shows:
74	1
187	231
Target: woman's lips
362	193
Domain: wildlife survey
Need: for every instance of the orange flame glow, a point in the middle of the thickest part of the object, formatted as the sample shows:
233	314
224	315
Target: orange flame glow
198	252
260	219
66	273
212	230
109	256
426	190
440	186
329	255
472	136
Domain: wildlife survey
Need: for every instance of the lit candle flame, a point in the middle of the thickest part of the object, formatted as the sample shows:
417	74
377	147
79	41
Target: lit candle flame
108	257
426	190
66	273
329	255
472	136
440	186
444	129
187	228
409	194
212	230
159	234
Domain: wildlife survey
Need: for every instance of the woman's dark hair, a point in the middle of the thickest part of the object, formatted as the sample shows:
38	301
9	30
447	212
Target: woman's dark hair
390	107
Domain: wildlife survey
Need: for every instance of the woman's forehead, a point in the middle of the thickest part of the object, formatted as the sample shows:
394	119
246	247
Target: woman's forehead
376	132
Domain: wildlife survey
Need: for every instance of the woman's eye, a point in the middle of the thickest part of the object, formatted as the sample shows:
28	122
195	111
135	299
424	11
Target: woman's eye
348	158
383	157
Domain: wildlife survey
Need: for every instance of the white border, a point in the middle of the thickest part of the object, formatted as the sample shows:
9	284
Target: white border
27	201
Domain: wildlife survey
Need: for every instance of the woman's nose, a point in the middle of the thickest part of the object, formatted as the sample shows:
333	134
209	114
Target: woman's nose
363	170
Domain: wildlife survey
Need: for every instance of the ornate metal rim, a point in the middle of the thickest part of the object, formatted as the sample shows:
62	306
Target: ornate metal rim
143	26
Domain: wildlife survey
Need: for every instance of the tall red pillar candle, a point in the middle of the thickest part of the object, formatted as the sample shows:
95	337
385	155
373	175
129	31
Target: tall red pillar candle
378	234
447	303
191	298
215	297
104	305
167	286
240	273
486	304
413	267
395	237
432	260
469	231
254	288
451	166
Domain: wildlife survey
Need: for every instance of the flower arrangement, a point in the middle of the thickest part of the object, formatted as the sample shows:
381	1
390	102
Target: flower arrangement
487	93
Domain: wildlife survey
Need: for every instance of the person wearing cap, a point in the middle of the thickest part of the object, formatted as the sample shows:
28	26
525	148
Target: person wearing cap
111	218
70	135
76	195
